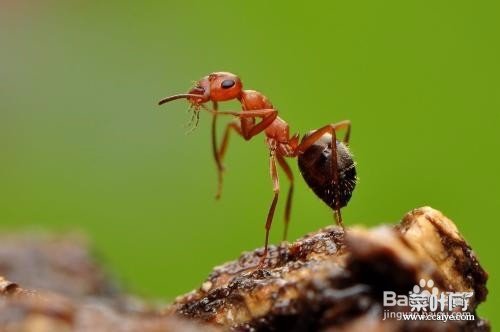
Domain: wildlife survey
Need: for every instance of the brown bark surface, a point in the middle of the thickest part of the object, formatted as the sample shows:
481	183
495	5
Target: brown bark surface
333	281
329	280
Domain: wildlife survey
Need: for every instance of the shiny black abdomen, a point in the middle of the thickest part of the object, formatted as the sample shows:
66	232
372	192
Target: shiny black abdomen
316	168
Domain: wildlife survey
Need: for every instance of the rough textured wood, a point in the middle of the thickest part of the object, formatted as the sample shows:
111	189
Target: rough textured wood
331	280
326	281
64	289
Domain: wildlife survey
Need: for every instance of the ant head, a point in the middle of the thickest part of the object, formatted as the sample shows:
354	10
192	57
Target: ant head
218	86
223	86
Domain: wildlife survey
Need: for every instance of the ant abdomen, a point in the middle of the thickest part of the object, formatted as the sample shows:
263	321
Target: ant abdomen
315	165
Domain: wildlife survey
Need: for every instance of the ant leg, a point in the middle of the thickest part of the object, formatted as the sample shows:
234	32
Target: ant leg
214	148
284	165
347	125
272	208
248	129
235	125
338	218
254	129
221	151
315	136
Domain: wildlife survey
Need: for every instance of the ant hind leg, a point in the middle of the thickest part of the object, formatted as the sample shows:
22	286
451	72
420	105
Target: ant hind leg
313	138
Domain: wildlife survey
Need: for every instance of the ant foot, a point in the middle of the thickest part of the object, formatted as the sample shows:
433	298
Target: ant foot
262	262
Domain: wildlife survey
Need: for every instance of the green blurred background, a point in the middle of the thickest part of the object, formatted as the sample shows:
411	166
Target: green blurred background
84	146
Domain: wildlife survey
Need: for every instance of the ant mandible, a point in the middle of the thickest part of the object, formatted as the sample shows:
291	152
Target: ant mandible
325	163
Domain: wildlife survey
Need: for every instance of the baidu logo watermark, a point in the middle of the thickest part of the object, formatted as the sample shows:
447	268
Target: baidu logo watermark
427	302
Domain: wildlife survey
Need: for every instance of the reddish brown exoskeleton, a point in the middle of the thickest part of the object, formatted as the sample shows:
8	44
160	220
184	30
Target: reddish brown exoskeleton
325	163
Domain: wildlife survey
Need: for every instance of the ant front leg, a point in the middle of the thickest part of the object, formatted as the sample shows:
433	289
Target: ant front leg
221	151
215	152
246	129
249	129
243	128
313	138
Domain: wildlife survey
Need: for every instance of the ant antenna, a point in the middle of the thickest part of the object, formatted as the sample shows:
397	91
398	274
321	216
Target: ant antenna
179	96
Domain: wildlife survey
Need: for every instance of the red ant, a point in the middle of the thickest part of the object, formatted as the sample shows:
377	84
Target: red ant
325	163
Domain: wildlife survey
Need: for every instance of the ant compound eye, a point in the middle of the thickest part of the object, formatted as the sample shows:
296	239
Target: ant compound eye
226	84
